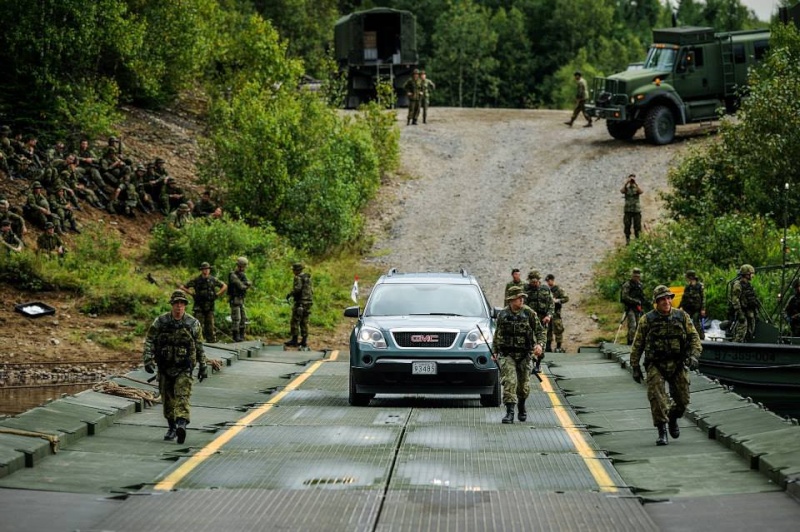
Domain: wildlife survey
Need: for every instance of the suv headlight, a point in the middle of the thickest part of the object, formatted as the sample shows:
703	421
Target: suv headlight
475	339
373	337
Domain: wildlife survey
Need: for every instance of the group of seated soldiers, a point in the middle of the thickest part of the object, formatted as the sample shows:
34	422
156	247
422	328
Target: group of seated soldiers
60	180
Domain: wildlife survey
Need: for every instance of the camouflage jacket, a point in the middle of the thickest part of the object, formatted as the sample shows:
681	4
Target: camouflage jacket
559	298
632	295
665	339
11	239
541	300
518	332
49	243
174	345
743	297
632	203
178	219
509	284
237	286
694	298
302	291
205	291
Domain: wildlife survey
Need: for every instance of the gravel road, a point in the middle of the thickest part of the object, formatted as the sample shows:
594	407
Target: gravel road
494	189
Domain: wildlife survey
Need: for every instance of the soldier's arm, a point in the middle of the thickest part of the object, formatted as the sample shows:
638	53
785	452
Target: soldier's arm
148	355
222	287
736	297
539	331
199	353
496	341
637	349
695	347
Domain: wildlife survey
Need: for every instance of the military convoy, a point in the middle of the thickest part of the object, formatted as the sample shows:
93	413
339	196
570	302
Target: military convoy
375	45
691	74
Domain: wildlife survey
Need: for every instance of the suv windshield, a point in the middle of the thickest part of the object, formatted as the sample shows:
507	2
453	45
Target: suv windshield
660	58
426	299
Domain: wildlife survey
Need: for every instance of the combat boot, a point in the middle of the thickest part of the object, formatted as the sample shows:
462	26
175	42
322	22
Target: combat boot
509	418
292	342
522	412
662	434
674	429
180	429
588	124
569	123
170	435
304	342
548	348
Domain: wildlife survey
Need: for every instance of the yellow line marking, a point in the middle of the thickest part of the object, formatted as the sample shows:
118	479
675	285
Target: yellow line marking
578	438
216	444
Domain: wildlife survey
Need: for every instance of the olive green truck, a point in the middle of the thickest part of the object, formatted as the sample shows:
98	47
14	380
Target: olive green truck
691	74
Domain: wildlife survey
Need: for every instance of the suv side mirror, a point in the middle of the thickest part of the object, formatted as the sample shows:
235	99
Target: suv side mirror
352	312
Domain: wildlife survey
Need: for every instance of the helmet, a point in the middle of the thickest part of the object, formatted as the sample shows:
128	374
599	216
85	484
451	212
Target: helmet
205	265
112	139
5	223
183	207
416	71
159	160
36	184
49	225
514	292
636	271
297	267
534	274
745	269
578	73
691	274
242	261
178	296
662	291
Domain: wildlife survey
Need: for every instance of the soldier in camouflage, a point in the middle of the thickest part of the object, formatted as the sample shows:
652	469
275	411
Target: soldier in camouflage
556	325
539	298
632	213
632	297
207	289
238	285
792	309
518	338
50	243
10	241
174	344
415	91
693	302
515	281
744	304
17	221
62	208
302	294
180	217
38	209
670	344
428	87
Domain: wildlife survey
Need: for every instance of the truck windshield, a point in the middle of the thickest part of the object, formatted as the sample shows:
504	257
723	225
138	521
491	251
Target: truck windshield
660	58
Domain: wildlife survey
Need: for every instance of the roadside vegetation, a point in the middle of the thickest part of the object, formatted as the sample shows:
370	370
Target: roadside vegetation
731	201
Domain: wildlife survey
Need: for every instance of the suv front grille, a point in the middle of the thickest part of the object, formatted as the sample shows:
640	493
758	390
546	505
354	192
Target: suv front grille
423	339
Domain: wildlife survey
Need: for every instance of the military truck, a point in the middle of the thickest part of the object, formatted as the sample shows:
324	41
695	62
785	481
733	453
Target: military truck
691	74
375	45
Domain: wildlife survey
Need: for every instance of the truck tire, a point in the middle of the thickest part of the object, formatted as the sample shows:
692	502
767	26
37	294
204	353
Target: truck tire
358	399
622	130
659	125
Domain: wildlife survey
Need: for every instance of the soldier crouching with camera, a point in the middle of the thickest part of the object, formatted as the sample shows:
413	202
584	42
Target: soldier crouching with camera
174	344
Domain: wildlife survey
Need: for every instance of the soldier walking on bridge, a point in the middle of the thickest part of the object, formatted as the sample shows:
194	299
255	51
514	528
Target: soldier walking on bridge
174	344
518	335
540	300
670	344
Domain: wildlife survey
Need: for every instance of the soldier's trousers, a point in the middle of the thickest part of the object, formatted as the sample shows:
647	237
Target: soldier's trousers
555	328
635	219
515	377
175	394
580	107
299	321
413	110
206	318
744	328
238	319
424	110
657	380
698	324
632	318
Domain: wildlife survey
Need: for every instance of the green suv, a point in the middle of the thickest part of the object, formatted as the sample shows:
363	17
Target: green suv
424	333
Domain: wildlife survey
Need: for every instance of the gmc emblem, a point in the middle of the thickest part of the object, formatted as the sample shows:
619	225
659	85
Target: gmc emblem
424	338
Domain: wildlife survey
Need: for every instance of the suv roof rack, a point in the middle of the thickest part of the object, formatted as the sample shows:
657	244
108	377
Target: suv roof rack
391	272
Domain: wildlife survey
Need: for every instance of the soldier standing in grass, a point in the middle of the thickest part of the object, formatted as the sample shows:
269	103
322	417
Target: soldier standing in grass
670	344
238	285
302	294
519	335
207	289
174	344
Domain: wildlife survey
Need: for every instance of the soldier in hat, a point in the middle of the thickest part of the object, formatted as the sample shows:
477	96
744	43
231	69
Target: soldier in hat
180	217
207	289
693	302
428	86
744	304
238	285
10	241
415	91
632	297
670	344
632	212
518	338
556	326
174	344
539	297
302	294
37	208
17	221
49	242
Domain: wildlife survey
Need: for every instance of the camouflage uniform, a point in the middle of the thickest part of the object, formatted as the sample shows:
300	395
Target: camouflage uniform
38	209
581	94
175	346
238	285
17	222
63	209
180	217
632	214
539	297
302	294
693	301
205	294
669	343
556	325
50	243
744	304
7	236
428	87
516	335
632	296
113	168
415	91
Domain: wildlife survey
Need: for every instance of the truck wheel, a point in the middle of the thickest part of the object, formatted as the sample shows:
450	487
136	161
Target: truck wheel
358	399
494	398
622	130
659	126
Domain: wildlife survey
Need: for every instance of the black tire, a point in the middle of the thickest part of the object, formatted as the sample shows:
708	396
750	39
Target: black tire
495	398
358	399
659	126
622	130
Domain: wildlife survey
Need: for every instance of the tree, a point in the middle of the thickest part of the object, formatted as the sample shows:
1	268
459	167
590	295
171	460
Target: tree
513	68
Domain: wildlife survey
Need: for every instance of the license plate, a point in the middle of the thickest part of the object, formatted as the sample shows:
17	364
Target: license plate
423	368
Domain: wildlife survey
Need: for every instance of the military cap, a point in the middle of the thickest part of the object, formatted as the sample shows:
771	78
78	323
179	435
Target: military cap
5	223
746	268
550	277
662	291
140	168
515	270
636	271
36	184
422	71
159	160
297	266
4	203
416	71
183	207
112	139
178	296
578	73
514	292
205	265
49	225
242	261
691	274
534	274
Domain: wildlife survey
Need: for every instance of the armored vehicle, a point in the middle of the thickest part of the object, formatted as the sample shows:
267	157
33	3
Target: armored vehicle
691	74
375	45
